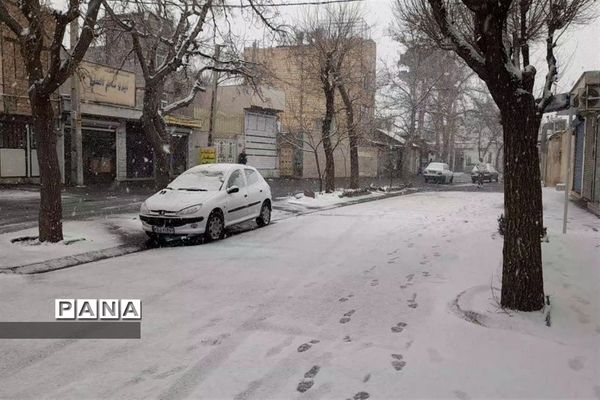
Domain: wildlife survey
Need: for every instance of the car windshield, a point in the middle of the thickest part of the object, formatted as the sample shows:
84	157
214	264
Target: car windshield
436	166
199	180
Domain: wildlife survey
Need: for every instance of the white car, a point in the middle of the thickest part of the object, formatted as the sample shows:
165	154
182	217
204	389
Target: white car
438	172
205	200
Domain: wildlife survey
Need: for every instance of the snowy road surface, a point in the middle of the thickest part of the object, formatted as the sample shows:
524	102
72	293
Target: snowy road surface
347	303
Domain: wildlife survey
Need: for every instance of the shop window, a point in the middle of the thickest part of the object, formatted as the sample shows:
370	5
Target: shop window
140	156
13	135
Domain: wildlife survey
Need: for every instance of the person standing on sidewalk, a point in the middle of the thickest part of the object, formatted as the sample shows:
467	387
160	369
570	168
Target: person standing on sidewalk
242	158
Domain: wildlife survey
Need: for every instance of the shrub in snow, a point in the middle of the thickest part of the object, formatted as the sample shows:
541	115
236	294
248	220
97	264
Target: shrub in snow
501	224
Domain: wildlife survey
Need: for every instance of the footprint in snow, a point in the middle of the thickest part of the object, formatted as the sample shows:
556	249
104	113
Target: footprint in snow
412	303
305	346
576	363
346	317
308	382
374	282
360	396
398	364
399	327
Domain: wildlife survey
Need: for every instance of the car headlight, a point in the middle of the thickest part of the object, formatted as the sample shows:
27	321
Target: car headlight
190	210
144	208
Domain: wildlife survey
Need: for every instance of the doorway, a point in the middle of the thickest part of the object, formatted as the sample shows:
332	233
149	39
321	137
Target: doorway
99	156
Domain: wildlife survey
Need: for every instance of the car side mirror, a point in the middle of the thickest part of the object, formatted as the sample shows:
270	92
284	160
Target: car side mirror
233	189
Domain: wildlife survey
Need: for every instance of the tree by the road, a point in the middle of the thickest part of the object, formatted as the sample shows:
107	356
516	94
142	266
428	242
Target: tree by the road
494	38
40	32
168	37
330	37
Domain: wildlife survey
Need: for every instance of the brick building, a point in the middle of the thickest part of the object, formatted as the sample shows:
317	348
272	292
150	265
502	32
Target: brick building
18	155
292	69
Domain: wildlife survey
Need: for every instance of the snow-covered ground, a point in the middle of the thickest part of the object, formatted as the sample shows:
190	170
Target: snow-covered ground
343	303
79	237
9	194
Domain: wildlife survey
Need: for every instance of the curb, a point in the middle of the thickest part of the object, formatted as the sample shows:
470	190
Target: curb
112	252
71	261
294	213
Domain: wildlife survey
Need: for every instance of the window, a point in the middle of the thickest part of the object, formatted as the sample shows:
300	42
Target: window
251	176
13	135
236	179
140	156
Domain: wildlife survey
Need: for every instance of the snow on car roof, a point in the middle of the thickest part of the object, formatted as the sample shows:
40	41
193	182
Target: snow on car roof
224	167
435	165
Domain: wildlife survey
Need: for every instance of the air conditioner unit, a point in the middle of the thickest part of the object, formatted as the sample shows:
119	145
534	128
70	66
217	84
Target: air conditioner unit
589	98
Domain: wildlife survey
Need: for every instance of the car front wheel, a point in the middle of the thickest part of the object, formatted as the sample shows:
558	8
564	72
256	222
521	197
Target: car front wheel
264	218
215	227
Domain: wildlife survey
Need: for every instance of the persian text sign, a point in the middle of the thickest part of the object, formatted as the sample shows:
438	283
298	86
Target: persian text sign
208	155
100	84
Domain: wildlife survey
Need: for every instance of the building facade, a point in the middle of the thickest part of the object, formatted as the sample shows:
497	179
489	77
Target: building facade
293	70
246	120
586	161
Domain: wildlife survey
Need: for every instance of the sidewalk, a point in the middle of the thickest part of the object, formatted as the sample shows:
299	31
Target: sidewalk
108	236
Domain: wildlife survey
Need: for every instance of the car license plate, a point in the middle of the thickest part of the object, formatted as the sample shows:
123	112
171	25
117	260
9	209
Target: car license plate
163	229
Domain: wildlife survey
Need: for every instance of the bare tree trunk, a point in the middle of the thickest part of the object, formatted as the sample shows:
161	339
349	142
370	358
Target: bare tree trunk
50	217
155	130
327	147
522	277
354	167
497	162
319	170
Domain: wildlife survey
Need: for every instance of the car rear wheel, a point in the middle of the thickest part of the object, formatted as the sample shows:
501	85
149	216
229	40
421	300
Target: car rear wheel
264	218
215	227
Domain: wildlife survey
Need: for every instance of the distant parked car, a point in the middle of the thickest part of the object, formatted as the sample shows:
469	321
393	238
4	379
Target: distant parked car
438	172
205	200
490	173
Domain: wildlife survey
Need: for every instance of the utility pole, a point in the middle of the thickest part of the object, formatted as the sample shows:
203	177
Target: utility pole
571	132
213	99
544	149
76	134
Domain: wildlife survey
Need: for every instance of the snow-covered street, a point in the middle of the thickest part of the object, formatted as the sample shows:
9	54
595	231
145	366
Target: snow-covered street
353	302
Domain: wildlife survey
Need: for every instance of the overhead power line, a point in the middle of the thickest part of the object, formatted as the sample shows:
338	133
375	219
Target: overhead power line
291	4
262	5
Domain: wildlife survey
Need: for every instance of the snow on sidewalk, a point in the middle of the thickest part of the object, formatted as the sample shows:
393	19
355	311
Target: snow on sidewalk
301	203
80	237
